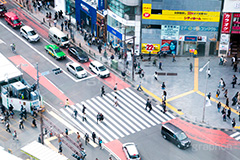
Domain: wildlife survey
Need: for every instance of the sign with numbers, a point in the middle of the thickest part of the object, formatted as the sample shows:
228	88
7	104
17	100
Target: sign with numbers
149	47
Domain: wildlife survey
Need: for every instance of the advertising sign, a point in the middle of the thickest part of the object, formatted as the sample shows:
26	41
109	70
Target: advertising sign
101	4
114	32
149	47
190	38
224	38
179	15
202	38
226	22
236	23
199	28
169	46
170	32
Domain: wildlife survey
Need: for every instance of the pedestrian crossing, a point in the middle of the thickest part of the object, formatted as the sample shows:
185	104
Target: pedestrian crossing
127	118
236	136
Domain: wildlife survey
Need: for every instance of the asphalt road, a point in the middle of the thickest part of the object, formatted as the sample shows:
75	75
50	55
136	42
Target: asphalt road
152	145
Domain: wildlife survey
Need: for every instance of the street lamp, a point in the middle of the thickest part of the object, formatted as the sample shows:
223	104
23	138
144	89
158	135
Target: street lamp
204	105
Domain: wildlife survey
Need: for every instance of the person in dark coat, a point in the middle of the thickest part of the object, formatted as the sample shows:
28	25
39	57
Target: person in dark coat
94	136
229	113
234	81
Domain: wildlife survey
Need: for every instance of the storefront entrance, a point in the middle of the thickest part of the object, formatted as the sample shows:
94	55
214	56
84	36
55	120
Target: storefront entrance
85	21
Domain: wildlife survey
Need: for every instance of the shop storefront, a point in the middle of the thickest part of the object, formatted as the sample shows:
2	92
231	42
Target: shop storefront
181	31
114	36
86	15
101	27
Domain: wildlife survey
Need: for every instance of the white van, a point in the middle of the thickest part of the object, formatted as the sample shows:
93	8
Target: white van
99	69
58	37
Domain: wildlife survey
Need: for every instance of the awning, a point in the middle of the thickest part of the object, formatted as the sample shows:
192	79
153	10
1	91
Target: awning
40	152
6	155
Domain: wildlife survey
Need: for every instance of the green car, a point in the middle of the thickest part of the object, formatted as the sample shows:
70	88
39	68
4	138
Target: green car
55	51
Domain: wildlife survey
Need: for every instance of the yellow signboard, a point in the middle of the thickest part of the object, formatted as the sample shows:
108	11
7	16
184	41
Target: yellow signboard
148	47
179	15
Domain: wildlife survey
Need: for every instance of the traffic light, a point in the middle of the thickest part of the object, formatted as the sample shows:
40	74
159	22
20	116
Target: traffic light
57	71
76	156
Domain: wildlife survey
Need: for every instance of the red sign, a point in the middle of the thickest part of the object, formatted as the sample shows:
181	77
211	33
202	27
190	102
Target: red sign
226	22
236	23
150	47
146	14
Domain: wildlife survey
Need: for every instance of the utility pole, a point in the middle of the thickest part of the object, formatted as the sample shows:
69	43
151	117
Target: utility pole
41	119
133	58
125	48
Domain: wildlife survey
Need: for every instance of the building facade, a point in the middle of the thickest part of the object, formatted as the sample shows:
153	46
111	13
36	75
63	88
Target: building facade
230	29
123	22
180	26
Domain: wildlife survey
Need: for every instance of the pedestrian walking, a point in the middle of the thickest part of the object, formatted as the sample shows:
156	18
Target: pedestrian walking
150	106
66	131
83	109
155	75
219	106
55	22
84	118
62	24
139	88
209	95
233	60
116	102
110	158
164	106
34	123
222	84
86	138
142	73
78	137
67	103
163	85
227	102
100	142
75	112
147	104
217	93
60	149
115	87
164	96
15	135
229	112
173	57
224	114
21	124
226	93
235	67
191	67
160	65
102	91
208	72
233	123
66	24
94	136
100	48
8	127
234	81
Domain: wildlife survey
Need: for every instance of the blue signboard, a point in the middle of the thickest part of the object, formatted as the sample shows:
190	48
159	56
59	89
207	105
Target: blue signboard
190	38
101	4
199	28
114	32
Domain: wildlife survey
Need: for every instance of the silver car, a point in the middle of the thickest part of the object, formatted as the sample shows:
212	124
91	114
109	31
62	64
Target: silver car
76	69
28	33
131	151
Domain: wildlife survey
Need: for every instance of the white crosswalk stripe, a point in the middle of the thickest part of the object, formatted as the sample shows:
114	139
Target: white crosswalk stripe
236	135
127	118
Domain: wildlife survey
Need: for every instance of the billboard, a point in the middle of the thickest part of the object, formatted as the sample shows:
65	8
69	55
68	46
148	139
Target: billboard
169	46
180	15
149	47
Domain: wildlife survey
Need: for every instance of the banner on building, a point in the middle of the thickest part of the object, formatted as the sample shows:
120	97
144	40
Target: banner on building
226	22
199	28
179	15
190	38
170	32
169	46
149	47
236	23
231	6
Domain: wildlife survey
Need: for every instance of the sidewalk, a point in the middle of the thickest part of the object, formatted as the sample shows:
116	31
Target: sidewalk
178	86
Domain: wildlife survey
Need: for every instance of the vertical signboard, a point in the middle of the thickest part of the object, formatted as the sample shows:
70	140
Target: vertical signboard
226	22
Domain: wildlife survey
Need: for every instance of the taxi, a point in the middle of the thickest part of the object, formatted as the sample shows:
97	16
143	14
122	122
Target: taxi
55	51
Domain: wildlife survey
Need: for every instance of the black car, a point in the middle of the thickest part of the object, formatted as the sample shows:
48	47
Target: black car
78	54
3	9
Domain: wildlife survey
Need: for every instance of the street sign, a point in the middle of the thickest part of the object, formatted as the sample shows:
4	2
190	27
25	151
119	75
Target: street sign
45	73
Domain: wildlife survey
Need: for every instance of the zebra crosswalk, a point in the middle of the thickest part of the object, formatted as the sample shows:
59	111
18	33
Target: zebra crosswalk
127	118
236	136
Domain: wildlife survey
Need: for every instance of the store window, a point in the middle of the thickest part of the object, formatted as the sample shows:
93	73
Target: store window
122	10
70	8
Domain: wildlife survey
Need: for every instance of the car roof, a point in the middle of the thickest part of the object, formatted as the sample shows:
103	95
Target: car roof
12	15
172	127
27	28
53	46
96	63
132	150
74	64
57	31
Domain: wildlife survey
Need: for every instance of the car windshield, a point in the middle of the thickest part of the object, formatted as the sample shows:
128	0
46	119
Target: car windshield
79	68
16	21
64	39
134	156
58	50
31	33
102	68
181	136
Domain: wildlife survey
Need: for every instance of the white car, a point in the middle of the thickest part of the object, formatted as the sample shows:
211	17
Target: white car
28	33
131	151
76	69
99	69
